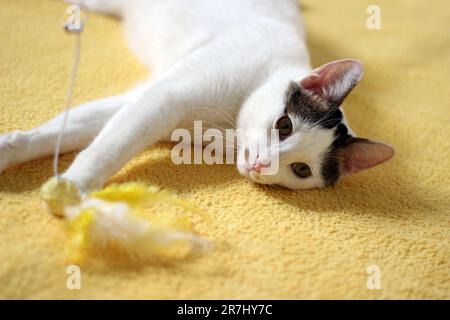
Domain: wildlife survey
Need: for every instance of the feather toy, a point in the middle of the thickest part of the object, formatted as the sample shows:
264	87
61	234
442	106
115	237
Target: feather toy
115	218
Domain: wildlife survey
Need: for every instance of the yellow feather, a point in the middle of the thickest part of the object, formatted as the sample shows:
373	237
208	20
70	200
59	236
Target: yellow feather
98	220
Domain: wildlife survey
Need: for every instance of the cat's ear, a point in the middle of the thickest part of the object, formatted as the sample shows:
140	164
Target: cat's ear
360	154
334	81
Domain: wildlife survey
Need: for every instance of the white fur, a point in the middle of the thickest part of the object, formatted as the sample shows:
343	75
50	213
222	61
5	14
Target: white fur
231	57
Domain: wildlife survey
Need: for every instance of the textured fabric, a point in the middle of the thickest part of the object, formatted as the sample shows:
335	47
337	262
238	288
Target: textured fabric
269	242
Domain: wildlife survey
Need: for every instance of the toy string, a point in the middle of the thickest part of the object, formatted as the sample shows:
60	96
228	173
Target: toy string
71	87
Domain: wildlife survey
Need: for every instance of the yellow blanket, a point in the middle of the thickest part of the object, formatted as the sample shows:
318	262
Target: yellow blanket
270	242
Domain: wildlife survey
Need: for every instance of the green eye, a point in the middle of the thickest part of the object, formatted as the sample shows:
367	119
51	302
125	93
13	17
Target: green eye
302	170
284	126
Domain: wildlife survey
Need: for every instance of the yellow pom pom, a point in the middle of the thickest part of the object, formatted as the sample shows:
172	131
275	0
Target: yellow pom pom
59	193
114	219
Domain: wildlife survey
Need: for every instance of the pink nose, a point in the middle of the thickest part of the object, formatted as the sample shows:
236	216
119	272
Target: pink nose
258	165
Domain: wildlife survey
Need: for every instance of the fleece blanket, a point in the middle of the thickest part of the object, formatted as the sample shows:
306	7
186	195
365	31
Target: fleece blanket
381	234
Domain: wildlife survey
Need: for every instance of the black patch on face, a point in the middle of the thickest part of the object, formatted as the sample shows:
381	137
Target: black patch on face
319	112
330	170
311	108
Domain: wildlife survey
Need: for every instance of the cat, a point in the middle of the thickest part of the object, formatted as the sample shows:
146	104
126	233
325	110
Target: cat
247	62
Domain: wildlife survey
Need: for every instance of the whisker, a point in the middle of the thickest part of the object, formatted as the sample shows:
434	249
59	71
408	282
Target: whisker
213	126
235	142
323	118
224	137
224	116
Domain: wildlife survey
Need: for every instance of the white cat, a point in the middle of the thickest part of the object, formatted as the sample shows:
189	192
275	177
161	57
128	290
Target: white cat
242	59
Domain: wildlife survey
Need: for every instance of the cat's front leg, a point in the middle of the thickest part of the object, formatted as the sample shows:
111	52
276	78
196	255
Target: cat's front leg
144	122
83	124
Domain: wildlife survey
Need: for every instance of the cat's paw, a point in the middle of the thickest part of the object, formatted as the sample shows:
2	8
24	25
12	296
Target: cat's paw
11	146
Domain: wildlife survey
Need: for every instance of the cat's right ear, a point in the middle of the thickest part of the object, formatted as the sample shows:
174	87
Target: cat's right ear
334	81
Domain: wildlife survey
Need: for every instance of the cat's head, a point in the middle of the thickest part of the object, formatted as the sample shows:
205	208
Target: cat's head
315	147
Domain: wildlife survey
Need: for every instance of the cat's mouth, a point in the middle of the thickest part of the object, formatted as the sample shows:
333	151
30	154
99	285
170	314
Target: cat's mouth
247	172
243	170
256	176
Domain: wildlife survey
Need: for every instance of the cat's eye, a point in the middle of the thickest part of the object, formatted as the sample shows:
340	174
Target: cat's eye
302	170
284	126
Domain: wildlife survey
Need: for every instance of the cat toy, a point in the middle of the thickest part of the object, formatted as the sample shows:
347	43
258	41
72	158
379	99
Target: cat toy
116	218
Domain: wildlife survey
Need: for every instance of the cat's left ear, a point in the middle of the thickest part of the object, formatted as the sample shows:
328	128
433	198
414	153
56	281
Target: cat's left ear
359	154
334	81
